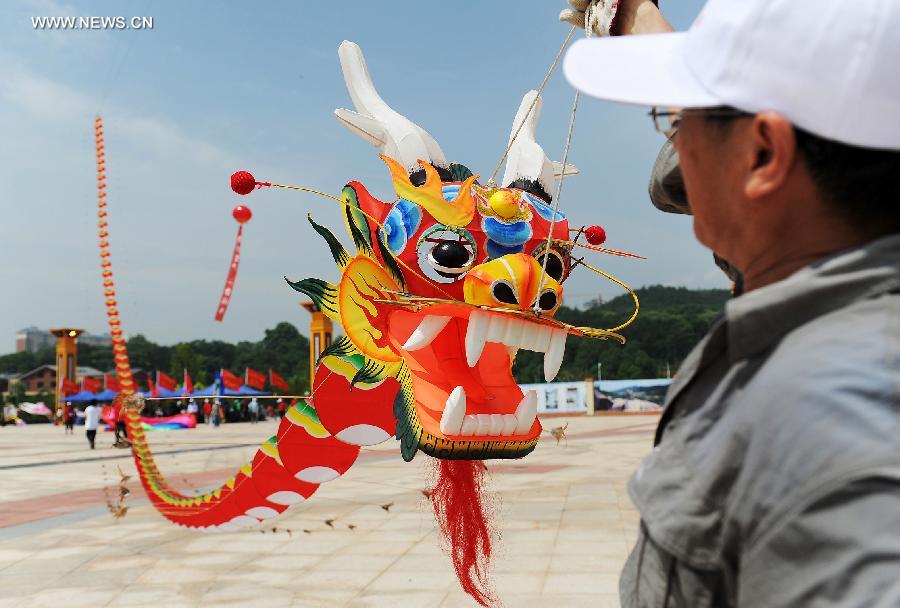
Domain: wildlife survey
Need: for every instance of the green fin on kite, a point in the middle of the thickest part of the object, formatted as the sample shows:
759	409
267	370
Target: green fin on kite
340	255
409	431
370	373
459	173
323	294
357	224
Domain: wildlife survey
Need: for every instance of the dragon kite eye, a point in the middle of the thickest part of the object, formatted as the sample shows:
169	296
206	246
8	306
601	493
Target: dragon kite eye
548	299
555	266
446	254
503	292
451	254
451	258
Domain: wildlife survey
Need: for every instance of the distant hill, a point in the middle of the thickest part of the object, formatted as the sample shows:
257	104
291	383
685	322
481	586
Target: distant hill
671	321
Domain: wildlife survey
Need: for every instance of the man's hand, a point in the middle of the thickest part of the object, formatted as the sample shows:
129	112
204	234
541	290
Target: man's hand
617	17
602	14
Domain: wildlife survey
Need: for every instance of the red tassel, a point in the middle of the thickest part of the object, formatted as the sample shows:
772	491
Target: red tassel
232	275
464	521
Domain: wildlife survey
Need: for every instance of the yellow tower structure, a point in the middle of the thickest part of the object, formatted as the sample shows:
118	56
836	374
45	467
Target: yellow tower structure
320	329
66	358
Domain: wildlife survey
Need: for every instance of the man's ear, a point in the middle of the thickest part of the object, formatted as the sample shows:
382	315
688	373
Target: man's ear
774	148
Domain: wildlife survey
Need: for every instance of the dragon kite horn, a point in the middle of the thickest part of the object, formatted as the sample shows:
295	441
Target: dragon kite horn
527	167
377	122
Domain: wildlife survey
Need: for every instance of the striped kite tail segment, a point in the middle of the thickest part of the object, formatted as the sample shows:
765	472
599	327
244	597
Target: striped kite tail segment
286	470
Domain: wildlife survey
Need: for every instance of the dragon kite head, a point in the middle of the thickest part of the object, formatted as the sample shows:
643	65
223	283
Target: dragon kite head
449	280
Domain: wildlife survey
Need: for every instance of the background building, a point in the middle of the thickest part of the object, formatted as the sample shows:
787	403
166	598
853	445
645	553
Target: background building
43	378
32	339
95	339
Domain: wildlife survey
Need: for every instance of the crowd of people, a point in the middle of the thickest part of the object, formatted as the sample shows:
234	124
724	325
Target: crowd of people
211	411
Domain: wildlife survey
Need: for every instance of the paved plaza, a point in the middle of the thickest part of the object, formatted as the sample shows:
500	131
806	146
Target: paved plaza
366	539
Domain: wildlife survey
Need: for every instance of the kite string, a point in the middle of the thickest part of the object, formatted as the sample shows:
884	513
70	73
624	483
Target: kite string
515	134
588	17
556	198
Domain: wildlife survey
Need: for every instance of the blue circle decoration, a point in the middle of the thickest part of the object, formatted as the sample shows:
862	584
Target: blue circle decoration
450	191
401	223
543	209
496	250
508	234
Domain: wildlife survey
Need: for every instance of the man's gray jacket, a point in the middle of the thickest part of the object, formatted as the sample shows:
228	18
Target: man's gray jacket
775	480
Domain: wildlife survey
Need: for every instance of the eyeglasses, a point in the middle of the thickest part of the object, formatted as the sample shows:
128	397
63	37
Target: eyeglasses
668	121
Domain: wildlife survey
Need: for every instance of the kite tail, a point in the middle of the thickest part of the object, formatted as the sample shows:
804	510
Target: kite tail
464	521
287	469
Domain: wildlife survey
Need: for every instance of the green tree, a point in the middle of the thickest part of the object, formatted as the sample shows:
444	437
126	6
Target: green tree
98	357
18	393
216	354
283	348
185	358
17	363
147	355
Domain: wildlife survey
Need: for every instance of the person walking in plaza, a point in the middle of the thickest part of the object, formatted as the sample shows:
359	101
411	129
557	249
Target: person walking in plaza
216	416
121	414
254	410
775	477
193	410
69	418
9	413
91	422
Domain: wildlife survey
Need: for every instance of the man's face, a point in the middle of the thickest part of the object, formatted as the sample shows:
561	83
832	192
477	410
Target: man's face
708	158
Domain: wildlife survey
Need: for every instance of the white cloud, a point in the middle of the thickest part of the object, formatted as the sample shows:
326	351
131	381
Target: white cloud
50	8
50	100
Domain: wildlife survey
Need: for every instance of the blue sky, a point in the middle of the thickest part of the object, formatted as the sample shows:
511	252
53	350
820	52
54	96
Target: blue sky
217	87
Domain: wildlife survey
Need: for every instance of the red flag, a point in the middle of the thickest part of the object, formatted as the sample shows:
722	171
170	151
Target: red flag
112	383
91	385
153	391
255	379
188	383
68	387
165	381
277	381
230	381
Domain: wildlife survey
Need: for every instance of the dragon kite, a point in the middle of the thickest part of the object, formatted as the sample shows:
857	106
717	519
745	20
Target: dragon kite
445	284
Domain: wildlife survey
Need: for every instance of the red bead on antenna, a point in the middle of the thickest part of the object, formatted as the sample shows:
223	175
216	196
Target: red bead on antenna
595	235
243	182
242	214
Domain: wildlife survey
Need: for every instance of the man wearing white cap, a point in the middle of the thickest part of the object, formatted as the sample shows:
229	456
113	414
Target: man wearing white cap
775	480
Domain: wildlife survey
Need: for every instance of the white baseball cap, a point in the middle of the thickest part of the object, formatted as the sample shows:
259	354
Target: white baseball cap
831	67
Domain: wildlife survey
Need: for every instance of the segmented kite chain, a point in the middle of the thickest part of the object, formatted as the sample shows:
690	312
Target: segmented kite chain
120	353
